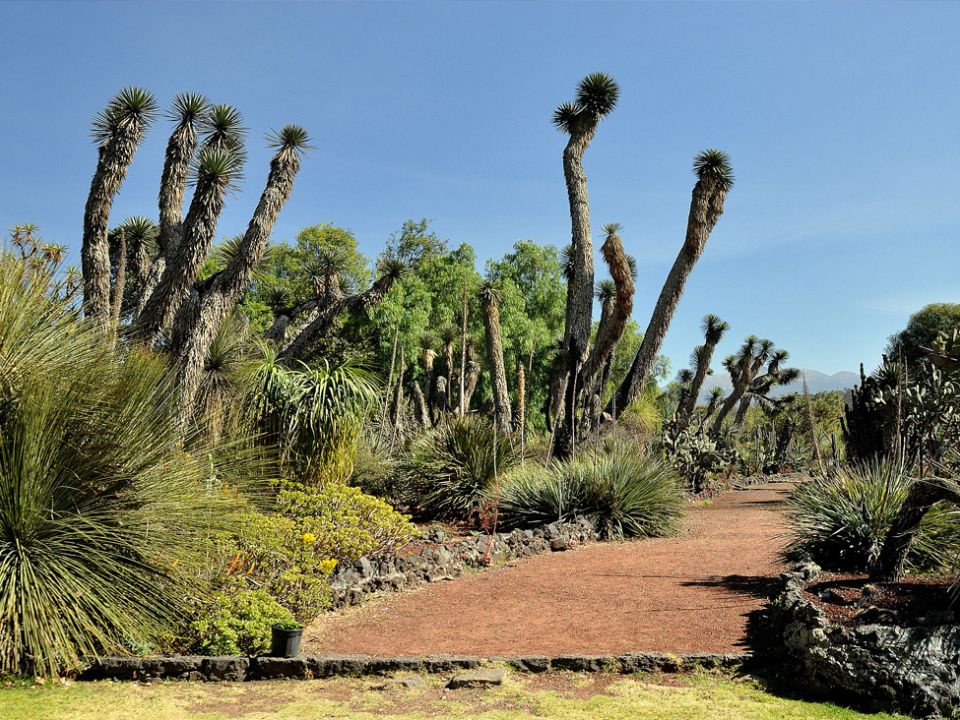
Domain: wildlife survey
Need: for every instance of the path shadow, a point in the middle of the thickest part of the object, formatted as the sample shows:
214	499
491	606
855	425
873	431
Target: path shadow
755	586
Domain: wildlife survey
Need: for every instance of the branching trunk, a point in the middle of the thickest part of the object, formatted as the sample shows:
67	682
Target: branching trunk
420	411
213	300
696	385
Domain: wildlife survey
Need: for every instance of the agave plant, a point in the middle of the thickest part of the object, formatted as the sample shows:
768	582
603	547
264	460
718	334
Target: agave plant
841	521
455	468
103	516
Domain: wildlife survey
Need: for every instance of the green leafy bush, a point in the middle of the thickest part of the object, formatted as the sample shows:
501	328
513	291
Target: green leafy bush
291	551
840	522
622	492
104	518
240	623
453	469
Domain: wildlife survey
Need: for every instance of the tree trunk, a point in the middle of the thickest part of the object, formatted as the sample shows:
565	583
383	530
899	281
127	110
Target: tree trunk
520	419
120	281
705	210
463	351
420	410
470	385
212	301
498	373
181	147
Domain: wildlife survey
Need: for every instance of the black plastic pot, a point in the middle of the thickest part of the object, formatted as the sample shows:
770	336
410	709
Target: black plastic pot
285	641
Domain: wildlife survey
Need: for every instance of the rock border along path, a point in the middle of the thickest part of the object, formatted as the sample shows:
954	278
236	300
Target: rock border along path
689	594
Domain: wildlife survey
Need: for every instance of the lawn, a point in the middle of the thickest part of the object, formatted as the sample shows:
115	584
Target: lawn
558	696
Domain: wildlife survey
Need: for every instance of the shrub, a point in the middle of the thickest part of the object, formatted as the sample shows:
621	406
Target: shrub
239	623
622	492
103	516
840	522
291	551
453	469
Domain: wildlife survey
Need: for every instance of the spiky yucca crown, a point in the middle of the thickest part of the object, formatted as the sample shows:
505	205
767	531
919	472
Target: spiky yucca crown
606	290
713	328
140	228
685	376
188	107
490	292
218	165
597	95
714	165
130	107
291	138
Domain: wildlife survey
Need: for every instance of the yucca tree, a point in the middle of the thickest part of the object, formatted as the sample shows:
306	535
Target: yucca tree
613	322
743	371
713	331
389	271
490	299
118	131
201	316
714	180
217	171
141	236
597	95
775	375
684	380
186	111
713	402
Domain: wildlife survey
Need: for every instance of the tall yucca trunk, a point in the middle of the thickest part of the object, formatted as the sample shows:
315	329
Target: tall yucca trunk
396	403
215	299
696	385
742	411
744	378
706	206
199	231
181	147
521	409
498	373
420	410
470	383
463	351
120	281
139	268
114	157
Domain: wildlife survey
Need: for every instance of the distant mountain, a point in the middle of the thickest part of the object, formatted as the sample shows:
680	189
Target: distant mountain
816	381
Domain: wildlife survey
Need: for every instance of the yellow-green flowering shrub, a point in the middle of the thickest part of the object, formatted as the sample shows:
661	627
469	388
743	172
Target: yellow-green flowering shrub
239	623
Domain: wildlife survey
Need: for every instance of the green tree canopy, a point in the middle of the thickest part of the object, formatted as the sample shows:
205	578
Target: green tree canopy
911	343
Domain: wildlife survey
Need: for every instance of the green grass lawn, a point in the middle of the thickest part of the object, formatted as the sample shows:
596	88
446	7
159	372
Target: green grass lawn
558	696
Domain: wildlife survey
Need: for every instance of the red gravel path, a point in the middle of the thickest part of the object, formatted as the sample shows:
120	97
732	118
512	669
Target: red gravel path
692	593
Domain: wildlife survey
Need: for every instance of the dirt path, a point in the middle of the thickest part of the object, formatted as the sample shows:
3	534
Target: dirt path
692	593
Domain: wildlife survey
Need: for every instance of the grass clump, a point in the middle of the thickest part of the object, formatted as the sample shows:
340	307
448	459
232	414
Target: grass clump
621	491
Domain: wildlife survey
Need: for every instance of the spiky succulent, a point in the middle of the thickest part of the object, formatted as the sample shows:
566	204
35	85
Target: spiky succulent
606	290
291	138
132	108
188	107
713	328
218	165
714	165
490	292
597	95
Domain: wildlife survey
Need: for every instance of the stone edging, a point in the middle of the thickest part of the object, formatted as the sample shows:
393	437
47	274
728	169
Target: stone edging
236	669
446	561
909	669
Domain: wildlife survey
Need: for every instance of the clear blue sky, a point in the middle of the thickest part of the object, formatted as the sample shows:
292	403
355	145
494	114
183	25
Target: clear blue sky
841	121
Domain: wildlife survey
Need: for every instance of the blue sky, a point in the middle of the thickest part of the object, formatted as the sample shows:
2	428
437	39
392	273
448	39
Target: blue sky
841	122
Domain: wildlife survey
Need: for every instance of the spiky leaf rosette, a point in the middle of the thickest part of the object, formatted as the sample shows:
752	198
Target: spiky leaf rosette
684	376
218	166
188	107
222	127
606	290
713	328
131	109
597	95
392	268
490	292
290	139
714	165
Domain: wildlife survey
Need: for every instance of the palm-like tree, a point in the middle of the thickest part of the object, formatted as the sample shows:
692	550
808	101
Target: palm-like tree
713	402
743	372
199	319
714	180
490	299
713	331
141	235
118	131
684	381
597	95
